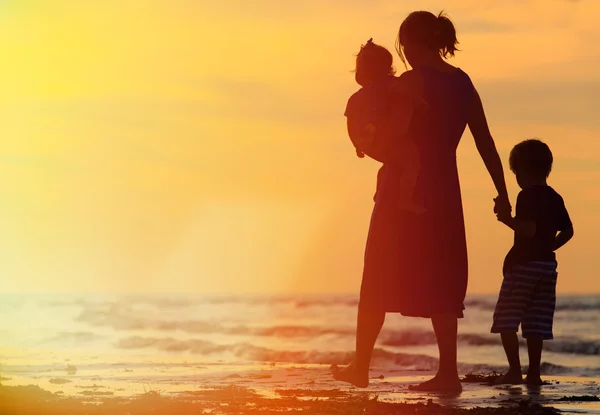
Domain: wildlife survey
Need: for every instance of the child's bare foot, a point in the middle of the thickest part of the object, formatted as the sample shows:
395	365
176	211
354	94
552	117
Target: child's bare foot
533	381
349	374
439	384
411	207
510	378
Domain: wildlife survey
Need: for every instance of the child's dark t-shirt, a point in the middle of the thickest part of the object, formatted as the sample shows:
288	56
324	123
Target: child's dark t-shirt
544	206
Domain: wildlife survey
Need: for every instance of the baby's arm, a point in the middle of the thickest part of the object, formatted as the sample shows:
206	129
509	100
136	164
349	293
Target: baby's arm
354	125
357	133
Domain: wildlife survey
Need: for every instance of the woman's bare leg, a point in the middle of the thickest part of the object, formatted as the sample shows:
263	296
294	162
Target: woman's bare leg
369	324
445	327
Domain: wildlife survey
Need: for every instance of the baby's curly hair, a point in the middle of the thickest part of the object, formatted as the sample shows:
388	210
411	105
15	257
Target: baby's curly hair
531	157
374	61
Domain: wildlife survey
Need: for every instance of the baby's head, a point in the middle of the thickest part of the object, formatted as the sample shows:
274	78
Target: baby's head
531	161
373	62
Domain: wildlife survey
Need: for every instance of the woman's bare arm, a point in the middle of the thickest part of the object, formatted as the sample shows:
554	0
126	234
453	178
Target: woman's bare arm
487	149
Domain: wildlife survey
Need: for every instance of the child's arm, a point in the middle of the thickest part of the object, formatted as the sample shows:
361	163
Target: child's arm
524	228
524	222
563	237
565	226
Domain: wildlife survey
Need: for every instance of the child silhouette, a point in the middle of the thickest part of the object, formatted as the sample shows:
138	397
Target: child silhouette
528	293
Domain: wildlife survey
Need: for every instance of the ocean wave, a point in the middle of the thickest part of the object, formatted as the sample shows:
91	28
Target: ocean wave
74	336
248	300
581	303
569	345
488	303
250	352
573	346
423	338
122	319
479	302
547	368
380	358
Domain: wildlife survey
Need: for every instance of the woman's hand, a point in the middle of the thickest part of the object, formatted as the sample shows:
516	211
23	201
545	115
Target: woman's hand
502	207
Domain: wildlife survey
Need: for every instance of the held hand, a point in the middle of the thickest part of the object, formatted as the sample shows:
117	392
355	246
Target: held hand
504	218
502	206
503	210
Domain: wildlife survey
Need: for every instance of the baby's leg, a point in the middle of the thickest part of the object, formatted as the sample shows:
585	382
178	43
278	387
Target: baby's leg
408	157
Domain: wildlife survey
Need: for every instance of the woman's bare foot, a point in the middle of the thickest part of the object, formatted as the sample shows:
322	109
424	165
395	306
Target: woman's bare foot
438	383
349	374
510	378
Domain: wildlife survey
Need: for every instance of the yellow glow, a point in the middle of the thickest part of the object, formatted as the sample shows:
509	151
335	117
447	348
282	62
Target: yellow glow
200	146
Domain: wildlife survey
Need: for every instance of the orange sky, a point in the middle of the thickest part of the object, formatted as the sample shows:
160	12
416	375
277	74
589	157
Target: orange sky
199	146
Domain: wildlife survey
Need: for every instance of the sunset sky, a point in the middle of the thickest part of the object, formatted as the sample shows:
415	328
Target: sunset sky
199	146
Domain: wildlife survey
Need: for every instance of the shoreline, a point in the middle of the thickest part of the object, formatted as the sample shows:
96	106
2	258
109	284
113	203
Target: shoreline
235	400
306	389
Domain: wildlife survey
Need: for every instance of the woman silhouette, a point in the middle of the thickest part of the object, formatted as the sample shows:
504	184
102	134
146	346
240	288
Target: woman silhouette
417	264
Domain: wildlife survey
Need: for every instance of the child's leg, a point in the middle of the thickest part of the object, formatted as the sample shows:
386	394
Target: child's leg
534	349
510	342
512	304
538	320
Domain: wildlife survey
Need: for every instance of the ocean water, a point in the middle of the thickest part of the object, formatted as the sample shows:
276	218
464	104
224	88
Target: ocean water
139	338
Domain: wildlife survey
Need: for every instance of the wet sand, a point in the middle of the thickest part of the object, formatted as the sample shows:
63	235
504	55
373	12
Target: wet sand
282	388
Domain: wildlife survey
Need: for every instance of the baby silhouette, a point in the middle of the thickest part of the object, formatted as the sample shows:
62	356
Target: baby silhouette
378	118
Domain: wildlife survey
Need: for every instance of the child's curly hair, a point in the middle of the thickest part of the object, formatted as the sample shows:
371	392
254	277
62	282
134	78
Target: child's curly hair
373	61
531	157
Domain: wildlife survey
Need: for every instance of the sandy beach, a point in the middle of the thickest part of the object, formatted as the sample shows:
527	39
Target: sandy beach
191	354
278	388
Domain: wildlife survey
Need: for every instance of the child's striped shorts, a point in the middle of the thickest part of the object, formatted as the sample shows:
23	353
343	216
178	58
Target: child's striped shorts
527	297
